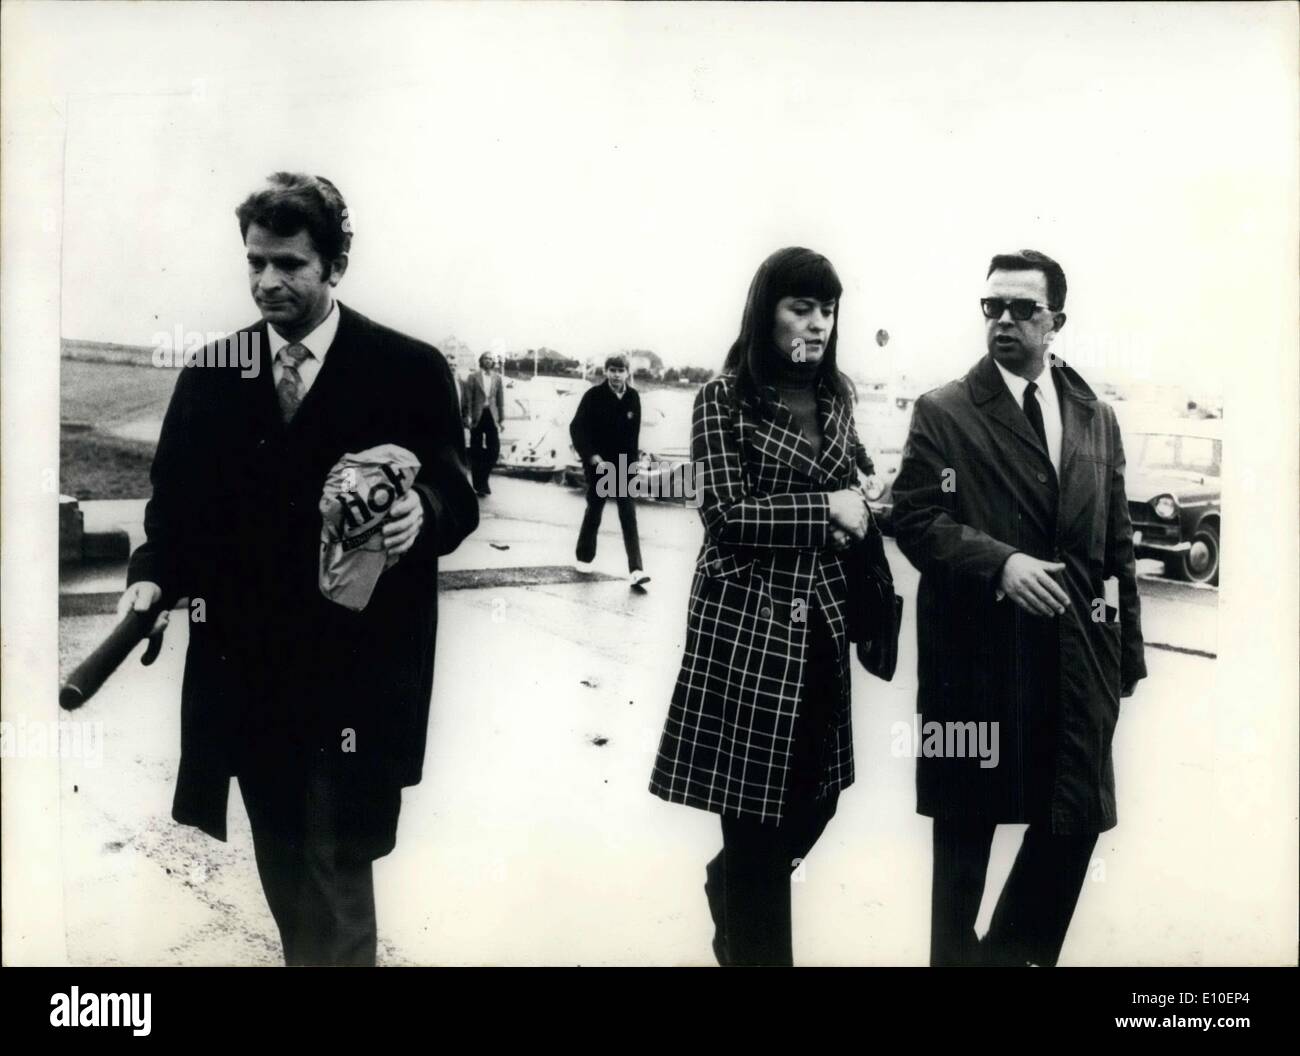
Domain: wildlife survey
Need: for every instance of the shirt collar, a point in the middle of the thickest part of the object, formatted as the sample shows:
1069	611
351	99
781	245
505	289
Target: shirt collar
1017	384
317	342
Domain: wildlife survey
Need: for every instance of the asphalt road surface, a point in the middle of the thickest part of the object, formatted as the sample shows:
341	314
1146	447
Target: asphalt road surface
533	838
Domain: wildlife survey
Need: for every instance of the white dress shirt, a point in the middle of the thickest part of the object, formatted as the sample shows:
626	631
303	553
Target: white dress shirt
317	343
1048	401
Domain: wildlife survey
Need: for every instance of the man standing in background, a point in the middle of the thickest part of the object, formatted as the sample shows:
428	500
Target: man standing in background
454	363
483	405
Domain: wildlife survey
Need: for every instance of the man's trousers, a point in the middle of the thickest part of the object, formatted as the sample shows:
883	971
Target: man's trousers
1034	910
484	449
322	898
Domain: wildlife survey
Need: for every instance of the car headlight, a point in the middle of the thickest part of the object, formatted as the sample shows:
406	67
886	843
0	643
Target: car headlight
875	488
1166	508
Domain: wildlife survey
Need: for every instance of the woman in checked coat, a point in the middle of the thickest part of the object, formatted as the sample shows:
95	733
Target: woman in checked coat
758	730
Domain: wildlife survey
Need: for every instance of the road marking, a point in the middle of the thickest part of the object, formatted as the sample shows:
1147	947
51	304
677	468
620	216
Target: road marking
102	603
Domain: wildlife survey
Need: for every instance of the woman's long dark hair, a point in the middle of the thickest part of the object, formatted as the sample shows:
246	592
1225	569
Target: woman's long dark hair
790	272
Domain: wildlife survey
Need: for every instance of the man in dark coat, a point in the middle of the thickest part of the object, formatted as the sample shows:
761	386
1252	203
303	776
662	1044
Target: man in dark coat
320	711
1010	502
606	433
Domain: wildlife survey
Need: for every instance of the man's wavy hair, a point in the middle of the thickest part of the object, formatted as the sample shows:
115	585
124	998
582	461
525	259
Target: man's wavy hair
1032	260
294	201
754	357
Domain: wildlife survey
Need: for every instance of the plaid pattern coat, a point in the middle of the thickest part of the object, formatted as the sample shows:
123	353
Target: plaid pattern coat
766	563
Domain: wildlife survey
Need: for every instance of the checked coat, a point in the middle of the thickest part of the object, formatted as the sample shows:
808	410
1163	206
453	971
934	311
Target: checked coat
765	564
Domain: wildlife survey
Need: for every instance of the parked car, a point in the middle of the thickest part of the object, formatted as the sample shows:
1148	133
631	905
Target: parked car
517	421
1174	490
573	475
539	445
880	485
884	435
665	447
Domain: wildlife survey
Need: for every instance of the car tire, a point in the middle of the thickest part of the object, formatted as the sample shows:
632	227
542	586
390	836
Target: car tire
1200	564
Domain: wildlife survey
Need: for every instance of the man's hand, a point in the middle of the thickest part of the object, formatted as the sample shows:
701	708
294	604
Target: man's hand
1029	583
405	519
848	510
140	597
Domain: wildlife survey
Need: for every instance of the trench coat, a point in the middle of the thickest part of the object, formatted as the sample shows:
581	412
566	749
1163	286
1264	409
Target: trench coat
976	485
766	560
275	673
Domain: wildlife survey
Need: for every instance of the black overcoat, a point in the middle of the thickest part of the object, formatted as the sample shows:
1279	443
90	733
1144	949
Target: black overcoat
275	673
975	486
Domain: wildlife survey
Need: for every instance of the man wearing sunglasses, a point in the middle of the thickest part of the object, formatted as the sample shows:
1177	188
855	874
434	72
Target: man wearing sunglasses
1010	502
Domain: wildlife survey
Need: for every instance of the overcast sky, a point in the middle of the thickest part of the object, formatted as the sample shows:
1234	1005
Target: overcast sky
597	177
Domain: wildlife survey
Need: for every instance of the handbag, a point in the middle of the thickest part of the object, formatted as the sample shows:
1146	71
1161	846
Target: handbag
875	611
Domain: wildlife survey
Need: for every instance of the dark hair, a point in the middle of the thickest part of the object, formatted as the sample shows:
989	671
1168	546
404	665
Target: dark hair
492	360
790	272
293	202
616	360
1032	260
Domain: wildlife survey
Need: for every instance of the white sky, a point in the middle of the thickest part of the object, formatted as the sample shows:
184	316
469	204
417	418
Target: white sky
595	177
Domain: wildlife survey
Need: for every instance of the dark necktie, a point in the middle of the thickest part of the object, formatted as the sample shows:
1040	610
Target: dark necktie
1035	414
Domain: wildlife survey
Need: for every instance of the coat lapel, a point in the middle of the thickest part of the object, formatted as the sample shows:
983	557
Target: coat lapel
263	401
1078	404
833	415
991	394
780	438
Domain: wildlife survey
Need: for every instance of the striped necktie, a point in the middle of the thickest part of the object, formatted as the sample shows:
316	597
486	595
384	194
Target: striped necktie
290	391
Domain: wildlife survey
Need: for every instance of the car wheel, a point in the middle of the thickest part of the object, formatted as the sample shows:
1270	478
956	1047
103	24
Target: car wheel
1200	564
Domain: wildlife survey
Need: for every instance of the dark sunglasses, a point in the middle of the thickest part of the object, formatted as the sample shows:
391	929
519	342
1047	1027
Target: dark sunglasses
1022	309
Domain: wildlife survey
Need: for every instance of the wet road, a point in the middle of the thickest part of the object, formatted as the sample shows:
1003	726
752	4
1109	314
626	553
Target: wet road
533	839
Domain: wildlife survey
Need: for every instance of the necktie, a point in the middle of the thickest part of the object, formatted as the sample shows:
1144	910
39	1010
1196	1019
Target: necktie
1035	414
289	391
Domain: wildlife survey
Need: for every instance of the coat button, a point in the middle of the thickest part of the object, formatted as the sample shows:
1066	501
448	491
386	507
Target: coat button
1042	478
765	612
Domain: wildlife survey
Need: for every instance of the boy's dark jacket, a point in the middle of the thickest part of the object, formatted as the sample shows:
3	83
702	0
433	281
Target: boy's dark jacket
606	425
